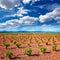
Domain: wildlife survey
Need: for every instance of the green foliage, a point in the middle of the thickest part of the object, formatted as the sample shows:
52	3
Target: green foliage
28	45
17	44
47	43
28	51
9	54
43	49
54	47
6	45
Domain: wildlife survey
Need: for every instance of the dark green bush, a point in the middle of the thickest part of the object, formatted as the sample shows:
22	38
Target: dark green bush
28	51
43	49
46	43
9	54
28	45
54	47
6	45
17	44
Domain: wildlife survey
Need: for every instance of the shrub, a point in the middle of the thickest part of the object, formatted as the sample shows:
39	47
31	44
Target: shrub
17	44
54	47
46	43
28	45
6	45
28	51
9	54
43	49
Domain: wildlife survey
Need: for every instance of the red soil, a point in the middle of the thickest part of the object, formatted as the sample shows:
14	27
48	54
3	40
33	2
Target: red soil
18	53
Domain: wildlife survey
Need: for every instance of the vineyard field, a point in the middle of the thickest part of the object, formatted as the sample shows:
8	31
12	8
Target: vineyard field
29	46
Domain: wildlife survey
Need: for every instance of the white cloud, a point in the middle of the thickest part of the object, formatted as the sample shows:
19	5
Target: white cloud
21	11
50	16
33	1
58	19
44	27
8	4
52	7
28	19
10	23
26	1
14	23
51	28
49	7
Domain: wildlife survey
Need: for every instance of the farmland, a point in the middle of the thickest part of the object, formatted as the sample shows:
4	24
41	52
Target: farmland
29	46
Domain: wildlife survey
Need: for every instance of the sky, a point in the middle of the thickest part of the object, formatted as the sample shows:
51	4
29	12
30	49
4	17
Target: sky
30	15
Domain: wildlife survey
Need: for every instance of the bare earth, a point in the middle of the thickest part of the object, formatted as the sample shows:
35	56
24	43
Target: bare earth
18	53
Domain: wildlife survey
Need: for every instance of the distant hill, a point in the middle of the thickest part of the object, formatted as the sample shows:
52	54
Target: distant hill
27	31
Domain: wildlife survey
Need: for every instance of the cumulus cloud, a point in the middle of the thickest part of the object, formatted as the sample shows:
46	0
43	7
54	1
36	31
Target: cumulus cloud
21	11
26	1
52	6
26	20
58	18
8	4
50	16
35	1
15	25
10	23
44	27
49	7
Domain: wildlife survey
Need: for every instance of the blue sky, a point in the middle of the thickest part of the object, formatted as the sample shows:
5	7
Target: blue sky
30	15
